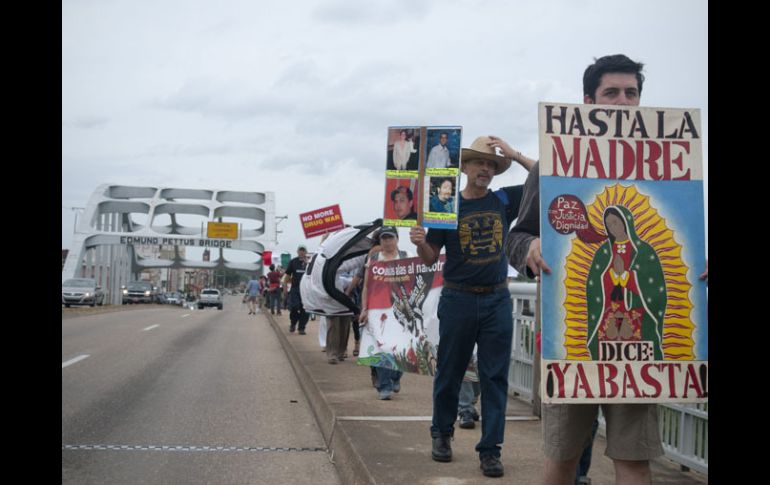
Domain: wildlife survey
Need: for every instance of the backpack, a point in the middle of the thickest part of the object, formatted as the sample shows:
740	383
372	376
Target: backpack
330	271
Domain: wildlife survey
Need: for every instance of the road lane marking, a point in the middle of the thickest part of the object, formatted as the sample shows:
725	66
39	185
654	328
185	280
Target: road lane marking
185	315
150	327
188	448
419	418
75	360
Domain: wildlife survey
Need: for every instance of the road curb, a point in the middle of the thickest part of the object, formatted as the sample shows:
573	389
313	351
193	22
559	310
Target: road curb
350	467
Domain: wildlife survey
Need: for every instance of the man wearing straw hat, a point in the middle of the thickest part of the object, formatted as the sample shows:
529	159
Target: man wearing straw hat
475	306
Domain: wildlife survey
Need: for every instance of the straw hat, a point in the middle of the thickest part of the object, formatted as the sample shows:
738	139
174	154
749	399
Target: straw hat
479	150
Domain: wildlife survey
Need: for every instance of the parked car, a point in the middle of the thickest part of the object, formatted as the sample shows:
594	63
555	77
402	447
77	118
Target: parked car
174	298
81	291
210	297
139	292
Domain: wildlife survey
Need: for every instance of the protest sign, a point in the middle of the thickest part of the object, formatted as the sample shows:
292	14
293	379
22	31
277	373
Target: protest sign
402	328
422	176
321	221
624	314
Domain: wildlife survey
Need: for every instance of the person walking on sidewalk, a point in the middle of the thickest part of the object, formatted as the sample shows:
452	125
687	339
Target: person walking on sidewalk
475	306
274	289
297	314
632	429
252	290
388	380
263	302
469	396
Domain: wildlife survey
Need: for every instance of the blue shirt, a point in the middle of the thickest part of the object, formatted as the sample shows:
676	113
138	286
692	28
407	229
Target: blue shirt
475	251
253	287
436	205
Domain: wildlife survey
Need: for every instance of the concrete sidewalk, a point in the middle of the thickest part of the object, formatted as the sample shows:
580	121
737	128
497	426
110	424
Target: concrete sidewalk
380	442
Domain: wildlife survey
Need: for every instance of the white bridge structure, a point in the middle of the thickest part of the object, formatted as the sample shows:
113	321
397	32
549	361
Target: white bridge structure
117	217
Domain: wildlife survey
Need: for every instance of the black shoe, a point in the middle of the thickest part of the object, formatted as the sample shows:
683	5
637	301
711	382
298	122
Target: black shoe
292	328
466	420
302	332
491	466
475	415
442	448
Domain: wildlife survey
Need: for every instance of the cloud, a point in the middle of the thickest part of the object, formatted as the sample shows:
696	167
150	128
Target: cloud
87	122
212	98
288	97
381	12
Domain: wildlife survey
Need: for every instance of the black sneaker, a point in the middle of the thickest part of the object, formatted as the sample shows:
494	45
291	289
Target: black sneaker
292	328
491	466
442	448
466	420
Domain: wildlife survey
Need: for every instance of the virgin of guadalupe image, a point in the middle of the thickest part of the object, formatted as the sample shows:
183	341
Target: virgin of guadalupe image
626	288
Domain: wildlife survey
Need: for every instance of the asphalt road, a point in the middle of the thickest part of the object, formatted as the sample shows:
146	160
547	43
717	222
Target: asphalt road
163	394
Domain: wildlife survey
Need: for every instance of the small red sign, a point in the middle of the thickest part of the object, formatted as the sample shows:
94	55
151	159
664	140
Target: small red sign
321	221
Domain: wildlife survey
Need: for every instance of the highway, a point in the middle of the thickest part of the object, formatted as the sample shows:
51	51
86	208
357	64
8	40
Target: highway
164	394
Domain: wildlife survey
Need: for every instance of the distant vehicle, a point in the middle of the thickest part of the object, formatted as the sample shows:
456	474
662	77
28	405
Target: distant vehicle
81	291
174	298
139	292
210	297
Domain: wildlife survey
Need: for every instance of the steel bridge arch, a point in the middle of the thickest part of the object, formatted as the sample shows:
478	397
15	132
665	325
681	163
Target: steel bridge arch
99	248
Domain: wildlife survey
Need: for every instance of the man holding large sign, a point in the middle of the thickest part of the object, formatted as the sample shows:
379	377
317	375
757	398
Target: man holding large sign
620	301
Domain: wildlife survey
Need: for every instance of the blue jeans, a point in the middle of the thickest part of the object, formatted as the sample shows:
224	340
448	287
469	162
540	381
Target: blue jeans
466	319
275	300
386	378
469	394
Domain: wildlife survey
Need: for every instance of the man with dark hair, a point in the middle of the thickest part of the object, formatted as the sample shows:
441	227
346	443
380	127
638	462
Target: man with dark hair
611	66
294	273
632	429
403	202
475	305
439	154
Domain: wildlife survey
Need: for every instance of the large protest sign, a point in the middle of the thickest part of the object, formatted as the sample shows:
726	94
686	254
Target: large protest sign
422	176
402	329
624	314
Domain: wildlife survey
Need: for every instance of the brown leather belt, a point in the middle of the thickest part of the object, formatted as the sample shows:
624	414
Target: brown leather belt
475	289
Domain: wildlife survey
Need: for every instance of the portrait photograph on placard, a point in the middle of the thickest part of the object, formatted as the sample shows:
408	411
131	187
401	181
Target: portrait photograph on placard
401	200
443	145
403	148
440	195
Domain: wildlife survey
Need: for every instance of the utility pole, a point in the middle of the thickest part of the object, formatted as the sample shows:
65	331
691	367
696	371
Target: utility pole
75	210
278	220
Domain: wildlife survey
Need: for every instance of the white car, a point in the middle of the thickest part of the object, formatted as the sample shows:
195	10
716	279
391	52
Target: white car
81	291
174	298
210	297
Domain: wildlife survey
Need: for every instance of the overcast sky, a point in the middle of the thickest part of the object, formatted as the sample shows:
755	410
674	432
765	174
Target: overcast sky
295	97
